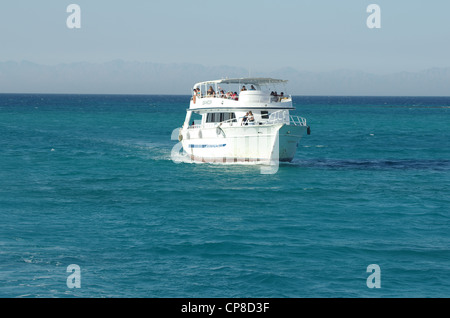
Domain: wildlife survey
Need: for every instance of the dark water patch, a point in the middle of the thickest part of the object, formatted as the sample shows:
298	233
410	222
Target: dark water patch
374	164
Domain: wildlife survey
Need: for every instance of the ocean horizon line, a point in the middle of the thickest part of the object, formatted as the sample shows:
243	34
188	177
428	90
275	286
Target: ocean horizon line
175	94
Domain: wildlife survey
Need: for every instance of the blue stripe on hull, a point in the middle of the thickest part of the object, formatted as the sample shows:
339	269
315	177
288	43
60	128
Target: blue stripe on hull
206	146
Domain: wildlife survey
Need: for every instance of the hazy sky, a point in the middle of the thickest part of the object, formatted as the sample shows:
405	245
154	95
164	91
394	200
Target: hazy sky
312	35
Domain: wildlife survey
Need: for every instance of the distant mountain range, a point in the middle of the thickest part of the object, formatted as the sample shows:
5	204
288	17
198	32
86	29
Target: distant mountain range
123	77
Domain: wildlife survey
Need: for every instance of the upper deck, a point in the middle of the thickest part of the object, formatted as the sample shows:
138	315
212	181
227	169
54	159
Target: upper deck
244	93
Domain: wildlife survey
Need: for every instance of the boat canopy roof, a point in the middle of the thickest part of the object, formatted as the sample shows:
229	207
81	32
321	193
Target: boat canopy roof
244	80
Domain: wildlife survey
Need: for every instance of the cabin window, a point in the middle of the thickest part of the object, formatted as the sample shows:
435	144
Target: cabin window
264	114
219	117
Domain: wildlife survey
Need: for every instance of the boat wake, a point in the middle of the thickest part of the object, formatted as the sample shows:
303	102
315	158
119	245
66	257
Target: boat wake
402	164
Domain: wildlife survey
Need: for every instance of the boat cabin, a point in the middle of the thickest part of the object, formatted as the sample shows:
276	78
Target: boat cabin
244	90
241	101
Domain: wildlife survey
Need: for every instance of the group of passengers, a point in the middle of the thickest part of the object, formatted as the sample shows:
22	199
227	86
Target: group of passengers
276	94
248	119
252	88
275	97
221	93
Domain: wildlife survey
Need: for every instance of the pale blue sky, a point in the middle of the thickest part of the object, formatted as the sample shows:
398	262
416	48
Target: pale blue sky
311	35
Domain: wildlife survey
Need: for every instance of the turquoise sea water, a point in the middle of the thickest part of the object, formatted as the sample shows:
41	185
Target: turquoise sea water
89	180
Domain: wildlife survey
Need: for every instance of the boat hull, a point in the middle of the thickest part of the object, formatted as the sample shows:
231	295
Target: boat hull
236	144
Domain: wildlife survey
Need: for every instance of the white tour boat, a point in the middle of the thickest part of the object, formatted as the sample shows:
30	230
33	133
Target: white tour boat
249	123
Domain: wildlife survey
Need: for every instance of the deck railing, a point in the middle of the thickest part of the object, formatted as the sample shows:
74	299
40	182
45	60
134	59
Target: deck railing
261	99
297	120
280	116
